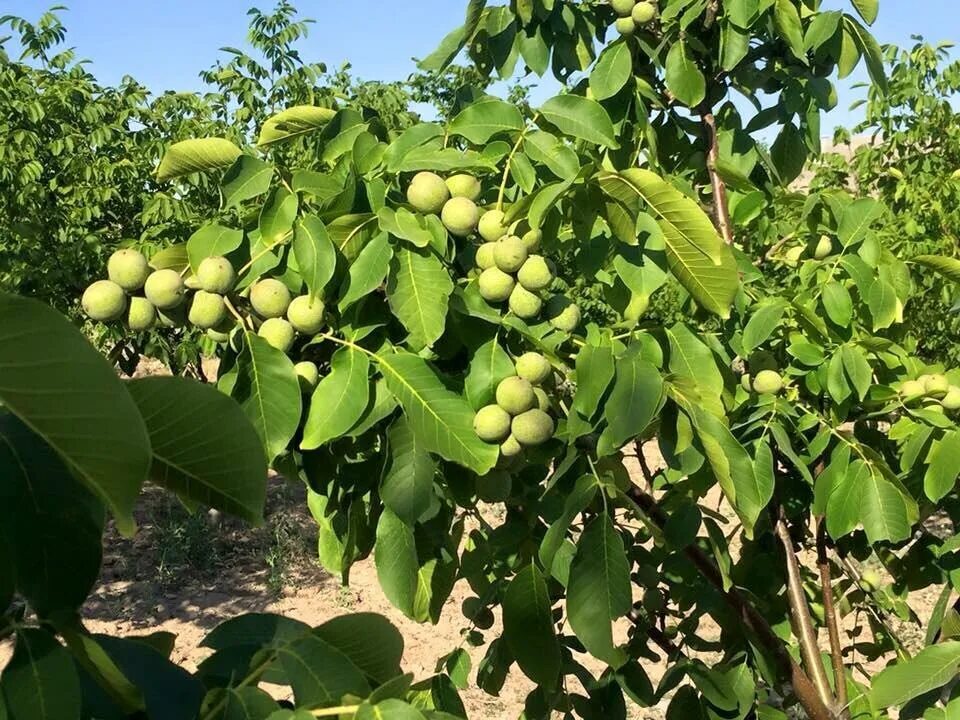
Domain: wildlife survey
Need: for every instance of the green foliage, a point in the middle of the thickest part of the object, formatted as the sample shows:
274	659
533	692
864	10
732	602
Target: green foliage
685	299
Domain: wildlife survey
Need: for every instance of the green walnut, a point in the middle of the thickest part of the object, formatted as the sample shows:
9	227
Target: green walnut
824	248
870	580
474	611
951	401
510	253
524	304
141	315
643	13
623	8
192	282
912	389
221	333
495	285
427	192
492	424
128	268
216	275
533	367
165	289
278	332
510	449
490	226
543	400
534	427
305	313
460	216
494	487
207	310
535	273
768	382
515	395
532	239
746	382
464	186
936	385
308	375
484	257
104	300
563	313
270	298
625	26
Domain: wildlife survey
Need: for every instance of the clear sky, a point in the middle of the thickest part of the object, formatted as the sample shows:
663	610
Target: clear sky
165	44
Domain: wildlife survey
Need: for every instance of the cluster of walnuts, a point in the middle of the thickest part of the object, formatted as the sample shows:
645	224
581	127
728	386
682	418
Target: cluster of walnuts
142	298
632	15
520	416
934	391
510	270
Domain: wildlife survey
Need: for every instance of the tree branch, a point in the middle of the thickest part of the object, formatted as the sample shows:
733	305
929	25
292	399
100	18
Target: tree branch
830	614
721	206
752	619
800	613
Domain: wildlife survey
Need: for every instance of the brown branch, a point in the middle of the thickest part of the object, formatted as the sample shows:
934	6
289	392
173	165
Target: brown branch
830	614
655	634
713	7
751	618
800	614
721	206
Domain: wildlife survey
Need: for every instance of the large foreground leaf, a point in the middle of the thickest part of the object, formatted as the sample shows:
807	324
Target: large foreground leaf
204	447
41	682
696	255
51	524
441	419
63	389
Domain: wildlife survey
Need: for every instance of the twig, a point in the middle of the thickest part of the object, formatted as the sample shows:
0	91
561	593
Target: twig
655	634
800	613
830	614
755	622
721	206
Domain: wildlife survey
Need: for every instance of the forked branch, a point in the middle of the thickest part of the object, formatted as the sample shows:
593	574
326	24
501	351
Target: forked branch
755	623
830	614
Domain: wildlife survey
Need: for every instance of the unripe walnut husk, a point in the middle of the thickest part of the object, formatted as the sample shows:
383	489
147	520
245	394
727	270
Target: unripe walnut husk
532	428
104	300
427	192
270	298
460	216
492	424
207	310
216	275
305	313
515	395
128	268
278	332
165	289
491	226
495	285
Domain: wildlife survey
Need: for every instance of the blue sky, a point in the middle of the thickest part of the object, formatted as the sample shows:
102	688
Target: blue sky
165	44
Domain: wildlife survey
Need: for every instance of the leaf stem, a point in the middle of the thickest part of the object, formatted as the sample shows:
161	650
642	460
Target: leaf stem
339	710
282	239
506	167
